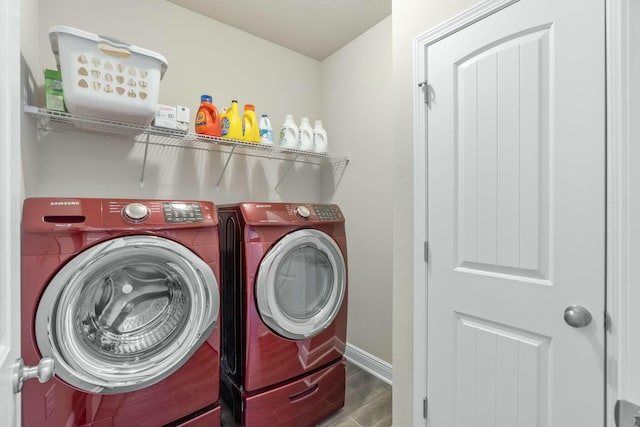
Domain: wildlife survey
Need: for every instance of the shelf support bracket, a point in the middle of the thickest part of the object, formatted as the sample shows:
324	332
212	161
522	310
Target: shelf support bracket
224	168
144	160
291	163
342	166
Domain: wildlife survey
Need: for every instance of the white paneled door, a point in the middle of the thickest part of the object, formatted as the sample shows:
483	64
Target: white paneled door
516	218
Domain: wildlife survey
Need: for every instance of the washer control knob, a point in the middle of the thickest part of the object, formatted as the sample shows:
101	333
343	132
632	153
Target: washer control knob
303	212
135	212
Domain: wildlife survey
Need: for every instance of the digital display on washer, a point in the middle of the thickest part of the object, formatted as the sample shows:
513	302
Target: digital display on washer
325	213
182	212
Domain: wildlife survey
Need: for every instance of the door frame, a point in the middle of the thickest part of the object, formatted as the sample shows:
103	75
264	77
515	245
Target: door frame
620	349
617	203
10	189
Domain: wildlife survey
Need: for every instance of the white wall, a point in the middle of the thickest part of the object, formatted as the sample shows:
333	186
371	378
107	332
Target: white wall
411	18
356	100
204	56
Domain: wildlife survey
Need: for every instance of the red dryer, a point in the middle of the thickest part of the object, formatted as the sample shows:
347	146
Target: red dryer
284	316
123	296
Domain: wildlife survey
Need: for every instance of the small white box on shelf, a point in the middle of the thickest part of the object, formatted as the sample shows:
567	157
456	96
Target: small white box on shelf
183	115
166	117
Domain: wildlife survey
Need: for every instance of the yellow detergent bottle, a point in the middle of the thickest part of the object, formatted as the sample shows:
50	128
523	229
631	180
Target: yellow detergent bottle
231	122
250	129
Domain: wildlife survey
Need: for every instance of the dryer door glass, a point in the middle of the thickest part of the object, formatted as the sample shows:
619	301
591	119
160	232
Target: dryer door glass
127	313
301	284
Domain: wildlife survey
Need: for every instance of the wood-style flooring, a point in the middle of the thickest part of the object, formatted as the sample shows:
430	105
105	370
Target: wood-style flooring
367	403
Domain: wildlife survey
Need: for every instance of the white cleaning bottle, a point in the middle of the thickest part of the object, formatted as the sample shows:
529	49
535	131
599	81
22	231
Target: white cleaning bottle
306	135
266	130
320	138
289	133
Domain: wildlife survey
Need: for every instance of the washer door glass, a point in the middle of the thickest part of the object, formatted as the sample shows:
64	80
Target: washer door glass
301	283
126	313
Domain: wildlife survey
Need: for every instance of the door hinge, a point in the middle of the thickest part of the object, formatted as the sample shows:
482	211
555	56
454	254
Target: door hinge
426	90
426	251
425	407
607	321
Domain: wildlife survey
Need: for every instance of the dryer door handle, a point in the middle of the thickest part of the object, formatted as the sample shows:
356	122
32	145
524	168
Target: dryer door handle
43	371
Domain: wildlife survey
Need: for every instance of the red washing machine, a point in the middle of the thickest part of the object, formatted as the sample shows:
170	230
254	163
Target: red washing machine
123	296
284	316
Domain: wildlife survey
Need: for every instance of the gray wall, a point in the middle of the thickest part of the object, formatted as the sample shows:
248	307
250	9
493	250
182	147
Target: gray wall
356	95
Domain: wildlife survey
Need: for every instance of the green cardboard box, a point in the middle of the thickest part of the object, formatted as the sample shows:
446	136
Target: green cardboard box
54	96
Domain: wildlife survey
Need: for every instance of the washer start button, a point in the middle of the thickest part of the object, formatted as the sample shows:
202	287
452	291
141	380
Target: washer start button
135	212
303	212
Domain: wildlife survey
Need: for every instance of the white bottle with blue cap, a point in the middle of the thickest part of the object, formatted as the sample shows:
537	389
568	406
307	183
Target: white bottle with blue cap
266	130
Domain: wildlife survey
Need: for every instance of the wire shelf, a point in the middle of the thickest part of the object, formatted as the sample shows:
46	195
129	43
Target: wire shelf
48	120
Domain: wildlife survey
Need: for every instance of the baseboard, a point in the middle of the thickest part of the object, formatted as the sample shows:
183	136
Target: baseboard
370	363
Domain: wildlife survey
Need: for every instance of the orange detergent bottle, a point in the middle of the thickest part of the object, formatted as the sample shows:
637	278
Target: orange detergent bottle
207	119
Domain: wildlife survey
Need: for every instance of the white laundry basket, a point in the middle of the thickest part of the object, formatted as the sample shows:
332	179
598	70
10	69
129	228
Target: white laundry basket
107	78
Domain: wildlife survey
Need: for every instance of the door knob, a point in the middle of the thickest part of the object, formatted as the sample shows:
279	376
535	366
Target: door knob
577	316
43	372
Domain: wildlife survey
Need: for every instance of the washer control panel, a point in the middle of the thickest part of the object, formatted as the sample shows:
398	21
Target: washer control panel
177	212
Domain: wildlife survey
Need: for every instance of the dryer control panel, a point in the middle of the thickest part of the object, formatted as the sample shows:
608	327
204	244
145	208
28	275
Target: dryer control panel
290	213
316	212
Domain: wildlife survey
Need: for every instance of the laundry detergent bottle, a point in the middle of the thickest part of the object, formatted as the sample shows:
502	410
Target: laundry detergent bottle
231	122
305	132
250	130
207	119
289	133
320	142
266	130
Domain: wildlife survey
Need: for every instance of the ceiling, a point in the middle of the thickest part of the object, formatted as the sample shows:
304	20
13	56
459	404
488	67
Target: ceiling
315	28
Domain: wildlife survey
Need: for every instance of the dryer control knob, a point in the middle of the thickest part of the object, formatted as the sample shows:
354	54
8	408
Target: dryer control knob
135	212
303	212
